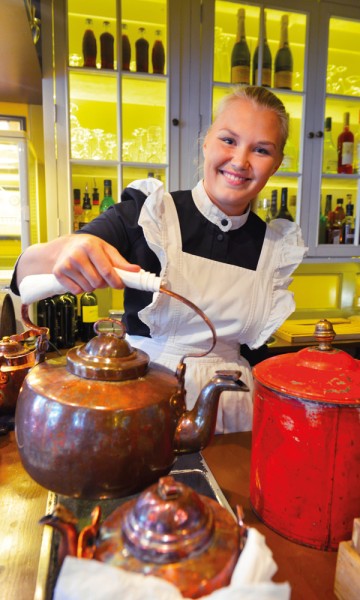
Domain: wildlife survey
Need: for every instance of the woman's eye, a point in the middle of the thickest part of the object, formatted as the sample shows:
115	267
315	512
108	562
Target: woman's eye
262	151
228	140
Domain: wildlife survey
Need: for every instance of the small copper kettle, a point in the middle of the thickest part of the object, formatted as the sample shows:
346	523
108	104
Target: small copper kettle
169	531
103	423
16	359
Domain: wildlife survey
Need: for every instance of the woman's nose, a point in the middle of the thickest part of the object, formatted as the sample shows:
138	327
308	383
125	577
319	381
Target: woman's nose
240	158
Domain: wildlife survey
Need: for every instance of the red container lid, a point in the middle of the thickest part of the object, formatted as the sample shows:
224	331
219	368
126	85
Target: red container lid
320	373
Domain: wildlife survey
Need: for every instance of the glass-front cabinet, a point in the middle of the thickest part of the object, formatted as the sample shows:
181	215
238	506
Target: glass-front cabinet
135	86
307	56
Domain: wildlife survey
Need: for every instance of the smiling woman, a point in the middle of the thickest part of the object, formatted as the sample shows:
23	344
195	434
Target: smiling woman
205	244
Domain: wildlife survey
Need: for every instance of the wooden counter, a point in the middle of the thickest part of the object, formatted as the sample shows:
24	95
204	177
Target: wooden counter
22	503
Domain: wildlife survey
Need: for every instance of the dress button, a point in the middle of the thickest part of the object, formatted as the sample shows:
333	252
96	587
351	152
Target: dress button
224	222
220	237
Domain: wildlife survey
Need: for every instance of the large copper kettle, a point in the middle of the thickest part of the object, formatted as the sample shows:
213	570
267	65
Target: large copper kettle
169	531
103	423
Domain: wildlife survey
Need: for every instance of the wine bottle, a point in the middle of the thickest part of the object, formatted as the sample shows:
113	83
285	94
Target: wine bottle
330	158
86	209
322	226
95	208
274	204
283	60
108	200
345	147
126	49
142	53
77	209
348	236
329	214
107	47
65	321
289	161
158	54
266	61
89	46
240	56
357	148
336	226
46	317
284	212
89	315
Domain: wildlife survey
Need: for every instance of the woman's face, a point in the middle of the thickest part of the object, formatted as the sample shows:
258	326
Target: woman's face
241	152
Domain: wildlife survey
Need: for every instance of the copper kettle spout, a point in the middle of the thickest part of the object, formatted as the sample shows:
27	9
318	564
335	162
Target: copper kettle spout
196	427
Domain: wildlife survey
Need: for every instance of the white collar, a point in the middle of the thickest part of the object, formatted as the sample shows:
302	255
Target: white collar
212	213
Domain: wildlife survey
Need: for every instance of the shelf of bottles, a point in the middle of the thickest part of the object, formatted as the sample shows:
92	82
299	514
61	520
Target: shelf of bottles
341	148
118	93
244	33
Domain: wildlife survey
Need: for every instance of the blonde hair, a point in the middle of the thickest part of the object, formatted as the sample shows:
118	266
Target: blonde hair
259	96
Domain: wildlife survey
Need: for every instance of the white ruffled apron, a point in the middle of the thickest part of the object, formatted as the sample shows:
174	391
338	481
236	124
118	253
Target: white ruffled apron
228	295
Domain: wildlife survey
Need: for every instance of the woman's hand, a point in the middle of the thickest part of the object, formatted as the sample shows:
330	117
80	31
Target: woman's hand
81	263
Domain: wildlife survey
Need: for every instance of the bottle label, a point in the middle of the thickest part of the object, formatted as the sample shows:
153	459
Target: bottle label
240	74
283	79
265	77
347	152
89	314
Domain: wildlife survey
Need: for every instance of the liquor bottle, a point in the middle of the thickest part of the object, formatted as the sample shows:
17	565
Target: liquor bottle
77	209
292	206
348	236
357	148
284	212
345	147
126	49
336	226
263	210
95	209
289	161
283	60
273	204
240	56
86	209
322	226
330	157
142	53
89	315
89	46
107	47
329	214
158	54
266	61
75	326
108	200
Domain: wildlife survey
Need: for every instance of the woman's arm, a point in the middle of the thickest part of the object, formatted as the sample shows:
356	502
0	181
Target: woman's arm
81	263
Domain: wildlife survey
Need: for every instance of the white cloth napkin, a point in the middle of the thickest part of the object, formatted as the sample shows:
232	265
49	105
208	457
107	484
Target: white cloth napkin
93	580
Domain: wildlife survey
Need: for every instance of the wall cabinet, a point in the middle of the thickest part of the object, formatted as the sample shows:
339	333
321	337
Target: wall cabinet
122	125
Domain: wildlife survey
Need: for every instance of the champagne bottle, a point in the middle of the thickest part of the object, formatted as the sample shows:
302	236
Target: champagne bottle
77	209
89	46
142	53
284	212
283	59
108	200
266	61
158	54
89	315
126	49
240	56
107	47
330	158
345	147
86	209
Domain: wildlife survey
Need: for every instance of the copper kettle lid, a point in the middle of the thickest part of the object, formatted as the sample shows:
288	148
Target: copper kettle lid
169	522
319	373
107	357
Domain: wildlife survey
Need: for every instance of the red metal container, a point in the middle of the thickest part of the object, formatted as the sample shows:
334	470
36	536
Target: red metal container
305	465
